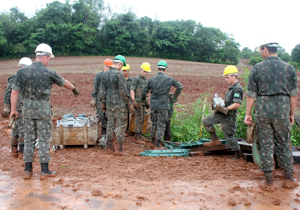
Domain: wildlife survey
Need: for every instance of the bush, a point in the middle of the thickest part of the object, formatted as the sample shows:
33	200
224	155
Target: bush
255	60
294	64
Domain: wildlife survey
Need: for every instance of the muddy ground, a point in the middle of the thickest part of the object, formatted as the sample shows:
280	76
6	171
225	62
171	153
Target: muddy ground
92	179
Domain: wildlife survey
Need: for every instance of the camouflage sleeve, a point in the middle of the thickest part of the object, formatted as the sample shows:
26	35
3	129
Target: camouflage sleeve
96	86
237	95
103	89
294	89
134	83
17	85
146	90
178	87
56	79
8	89
252	84
122	87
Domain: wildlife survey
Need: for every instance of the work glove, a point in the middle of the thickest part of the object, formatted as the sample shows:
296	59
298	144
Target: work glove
130	107
6	111
135	104
103	107
147	105
221	109
93	102
76	91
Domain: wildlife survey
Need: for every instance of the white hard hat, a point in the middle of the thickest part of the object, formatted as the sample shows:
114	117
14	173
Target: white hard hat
44	49
25	61
267	43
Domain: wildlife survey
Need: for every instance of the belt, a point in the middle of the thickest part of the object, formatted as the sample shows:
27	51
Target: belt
279	94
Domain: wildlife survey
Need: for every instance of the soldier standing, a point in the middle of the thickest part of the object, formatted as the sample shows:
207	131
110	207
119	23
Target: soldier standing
96	96
17	134
114	99
34	82
274	85
128	81
160	86
226	115
139	82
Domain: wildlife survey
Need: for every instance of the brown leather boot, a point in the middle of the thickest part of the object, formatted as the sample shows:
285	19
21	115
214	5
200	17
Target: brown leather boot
46	173
28	170
214	140
14	151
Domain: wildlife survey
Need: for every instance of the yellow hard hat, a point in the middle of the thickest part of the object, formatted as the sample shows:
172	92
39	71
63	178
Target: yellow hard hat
127	67
146	67
230	70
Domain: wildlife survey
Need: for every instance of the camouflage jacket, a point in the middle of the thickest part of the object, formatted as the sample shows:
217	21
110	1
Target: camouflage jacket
138	83
272	82
34	82
113	89
160	86
7	94
97	87
233	95
128	85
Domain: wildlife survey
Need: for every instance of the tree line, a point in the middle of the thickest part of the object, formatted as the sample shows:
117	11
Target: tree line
86	27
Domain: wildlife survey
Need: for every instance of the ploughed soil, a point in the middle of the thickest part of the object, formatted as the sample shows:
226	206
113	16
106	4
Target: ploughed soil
94	179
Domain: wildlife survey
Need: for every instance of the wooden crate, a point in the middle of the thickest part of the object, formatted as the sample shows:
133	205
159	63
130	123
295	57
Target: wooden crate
75	135
132	123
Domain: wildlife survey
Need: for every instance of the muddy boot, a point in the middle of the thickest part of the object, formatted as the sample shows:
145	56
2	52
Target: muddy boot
137	139
214	140
157	145
237	155
289	181
153	140
257	172
21	151
14	151
46	172
103	130
110	146
120	151
268	184
28	170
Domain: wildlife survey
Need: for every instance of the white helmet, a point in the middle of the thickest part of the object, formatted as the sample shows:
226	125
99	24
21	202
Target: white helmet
44	49
25	61
267	43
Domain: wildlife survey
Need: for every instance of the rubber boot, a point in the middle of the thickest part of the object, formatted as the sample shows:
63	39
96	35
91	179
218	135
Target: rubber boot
214	140
137	139
237	155
14	151
268	184
21	151
289	181
46	172
28	170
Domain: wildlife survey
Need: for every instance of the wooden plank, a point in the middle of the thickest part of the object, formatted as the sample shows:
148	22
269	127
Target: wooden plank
145	125
61	135
212	148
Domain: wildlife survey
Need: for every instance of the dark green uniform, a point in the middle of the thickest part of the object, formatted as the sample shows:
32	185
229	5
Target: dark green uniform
138	83
272	82
34	82
17	134
114	95
228	122
128	86
97	95
159	87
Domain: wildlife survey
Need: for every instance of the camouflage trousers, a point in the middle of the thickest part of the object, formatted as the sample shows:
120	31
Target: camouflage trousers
228	124
101	116
17	134
139	118
34	129
116	118
159	118
274	135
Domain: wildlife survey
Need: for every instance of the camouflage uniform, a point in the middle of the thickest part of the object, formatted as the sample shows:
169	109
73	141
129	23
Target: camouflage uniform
128	86
160	86
97	95
228	122
114	95
34	82
17	134
272	82
138	83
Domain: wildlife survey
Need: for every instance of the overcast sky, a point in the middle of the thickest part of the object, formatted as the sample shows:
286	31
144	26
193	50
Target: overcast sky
248	21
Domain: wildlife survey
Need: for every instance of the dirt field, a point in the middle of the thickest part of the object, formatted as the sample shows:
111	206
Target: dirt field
92	179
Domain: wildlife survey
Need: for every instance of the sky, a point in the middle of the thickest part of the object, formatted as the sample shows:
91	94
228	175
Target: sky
249	22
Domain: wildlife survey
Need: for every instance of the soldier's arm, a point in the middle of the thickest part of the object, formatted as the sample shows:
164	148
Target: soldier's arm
237	99
96	86
146	90
252	84
16	87
133	87
178	87
293	95
122	88
7	92
103	90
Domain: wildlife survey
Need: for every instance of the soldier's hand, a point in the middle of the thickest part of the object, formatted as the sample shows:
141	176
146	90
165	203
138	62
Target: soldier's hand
248	120
103	107
13	113
292	120
135	104
76	91
221	109
6	110
130	107
93	102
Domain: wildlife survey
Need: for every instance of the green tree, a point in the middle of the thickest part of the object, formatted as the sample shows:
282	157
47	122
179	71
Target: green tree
246	53
296	53
282	54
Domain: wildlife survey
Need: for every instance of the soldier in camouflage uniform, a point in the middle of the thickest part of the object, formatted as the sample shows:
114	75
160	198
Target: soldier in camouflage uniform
160	86
34	82
273	88
138	83
226	115
114	99
17	134
96	96
128	81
